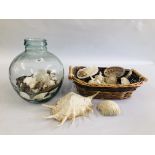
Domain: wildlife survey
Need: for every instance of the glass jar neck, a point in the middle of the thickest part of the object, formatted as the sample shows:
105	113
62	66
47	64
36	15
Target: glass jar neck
35	44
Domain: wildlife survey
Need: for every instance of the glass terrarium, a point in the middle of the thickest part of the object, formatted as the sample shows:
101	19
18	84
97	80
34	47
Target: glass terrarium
36	74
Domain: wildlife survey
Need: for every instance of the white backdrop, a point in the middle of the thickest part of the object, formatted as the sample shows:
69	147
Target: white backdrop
104	39
102	42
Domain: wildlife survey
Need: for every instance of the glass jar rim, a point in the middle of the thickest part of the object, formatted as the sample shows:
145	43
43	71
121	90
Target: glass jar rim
34	40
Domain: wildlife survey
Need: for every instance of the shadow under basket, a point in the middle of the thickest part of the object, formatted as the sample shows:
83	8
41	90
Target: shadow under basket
108	91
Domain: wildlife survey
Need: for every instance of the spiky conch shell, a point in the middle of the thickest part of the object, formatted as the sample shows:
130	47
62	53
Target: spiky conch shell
70	106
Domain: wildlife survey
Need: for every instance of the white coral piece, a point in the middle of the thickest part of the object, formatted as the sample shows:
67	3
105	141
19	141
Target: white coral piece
109	108
94	81
99	79
70	106
42	77
30	81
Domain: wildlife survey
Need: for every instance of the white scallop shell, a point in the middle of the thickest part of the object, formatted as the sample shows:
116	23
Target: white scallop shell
87	72
109	108
70	106
125	81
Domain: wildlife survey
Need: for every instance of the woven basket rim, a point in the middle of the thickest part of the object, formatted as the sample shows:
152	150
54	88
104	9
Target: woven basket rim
81	82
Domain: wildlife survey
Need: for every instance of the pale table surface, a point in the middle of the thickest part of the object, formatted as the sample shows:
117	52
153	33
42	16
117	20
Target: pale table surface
20	117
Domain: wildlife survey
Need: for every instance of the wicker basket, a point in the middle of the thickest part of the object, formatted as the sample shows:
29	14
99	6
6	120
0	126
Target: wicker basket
109	91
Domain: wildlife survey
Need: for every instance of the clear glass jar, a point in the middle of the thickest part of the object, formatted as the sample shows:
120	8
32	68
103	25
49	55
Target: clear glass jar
36	74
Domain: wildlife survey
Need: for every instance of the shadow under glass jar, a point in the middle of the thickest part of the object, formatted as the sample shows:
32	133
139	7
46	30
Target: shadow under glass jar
36	74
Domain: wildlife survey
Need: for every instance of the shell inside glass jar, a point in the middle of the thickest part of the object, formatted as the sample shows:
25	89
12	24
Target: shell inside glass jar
38	86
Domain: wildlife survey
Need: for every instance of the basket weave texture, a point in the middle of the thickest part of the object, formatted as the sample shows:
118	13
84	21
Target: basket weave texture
108	91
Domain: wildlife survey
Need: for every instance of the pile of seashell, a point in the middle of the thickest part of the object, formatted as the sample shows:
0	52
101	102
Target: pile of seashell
110	75
73	105
38	86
